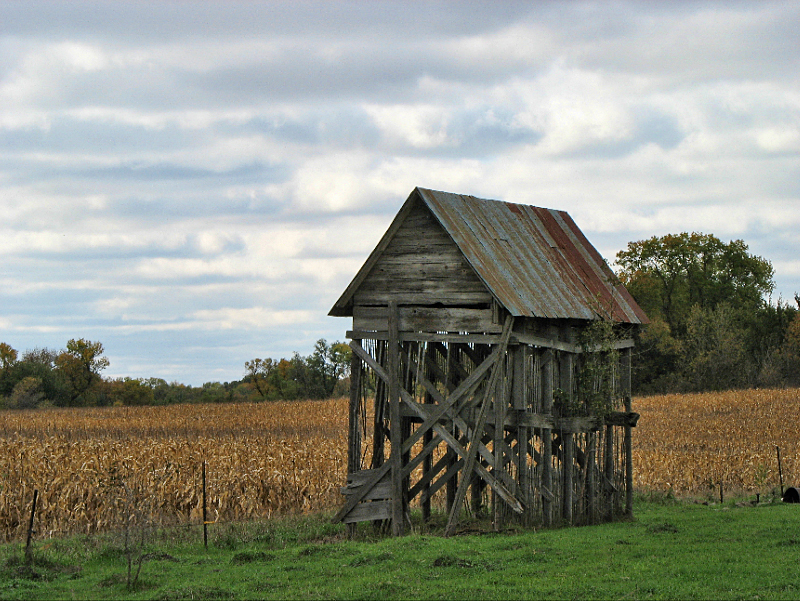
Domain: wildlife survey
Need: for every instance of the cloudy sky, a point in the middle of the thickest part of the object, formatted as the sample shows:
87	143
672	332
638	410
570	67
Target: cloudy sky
194	183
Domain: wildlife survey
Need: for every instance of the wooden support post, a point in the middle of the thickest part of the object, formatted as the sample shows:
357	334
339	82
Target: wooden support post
205	509
518	378
625	381
378	430
354	437
396	457
453	358
591	477
501	403
427	463
28	552
566	384
354	447
547	437
609	486
567	470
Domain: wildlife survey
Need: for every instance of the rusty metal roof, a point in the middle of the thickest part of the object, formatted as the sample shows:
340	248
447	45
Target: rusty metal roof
534	261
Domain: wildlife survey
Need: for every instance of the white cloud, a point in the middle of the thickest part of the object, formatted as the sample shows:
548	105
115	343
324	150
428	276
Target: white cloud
253	317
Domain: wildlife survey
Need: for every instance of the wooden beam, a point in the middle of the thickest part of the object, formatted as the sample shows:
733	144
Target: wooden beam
425	337
567	471
625	369
354	435
489	338
396	457
354	438
547	438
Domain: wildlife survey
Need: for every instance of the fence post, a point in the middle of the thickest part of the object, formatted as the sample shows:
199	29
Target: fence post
28	555
205	514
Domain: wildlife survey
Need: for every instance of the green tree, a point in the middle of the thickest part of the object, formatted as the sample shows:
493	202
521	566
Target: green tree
8	356
80	366
327	365
258	373
695	285
668	275
715	351
39	364
129	391
782	367
312	377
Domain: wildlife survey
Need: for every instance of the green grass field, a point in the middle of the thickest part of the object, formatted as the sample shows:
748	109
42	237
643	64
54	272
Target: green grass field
671	550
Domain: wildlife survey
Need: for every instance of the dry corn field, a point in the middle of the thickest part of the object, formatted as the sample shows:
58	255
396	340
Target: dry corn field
691	443
93	467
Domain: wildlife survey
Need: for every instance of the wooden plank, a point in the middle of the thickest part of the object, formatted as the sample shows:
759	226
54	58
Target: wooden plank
353	499
620	418
368	512
608	456
455	373
465	424
567	347
494	480
423	484
591	476
362	477
516	419
354	434
449	476
413	277
502	453
427	438
426	451
432	413
426	295
382	490
421	318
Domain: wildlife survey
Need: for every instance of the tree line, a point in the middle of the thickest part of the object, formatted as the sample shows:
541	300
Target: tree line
713	325
72	377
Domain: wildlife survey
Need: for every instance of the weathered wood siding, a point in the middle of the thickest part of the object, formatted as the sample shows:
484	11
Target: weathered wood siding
422	266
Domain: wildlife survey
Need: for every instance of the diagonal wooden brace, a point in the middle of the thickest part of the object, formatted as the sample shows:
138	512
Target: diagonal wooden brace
472	451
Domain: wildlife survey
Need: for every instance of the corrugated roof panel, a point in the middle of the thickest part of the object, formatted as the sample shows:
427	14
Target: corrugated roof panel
535	261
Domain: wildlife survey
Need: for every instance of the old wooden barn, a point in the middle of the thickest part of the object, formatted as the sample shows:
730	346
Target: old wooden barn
491	356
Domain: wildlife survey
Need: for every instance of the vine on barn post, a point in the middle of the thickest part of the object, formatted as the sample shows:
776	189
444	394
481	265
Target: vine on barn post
597	377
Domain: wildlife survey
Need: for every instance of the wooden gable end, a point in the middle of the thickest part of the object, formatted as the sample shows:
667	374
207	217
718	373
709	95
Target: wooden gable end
421	265
423	270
